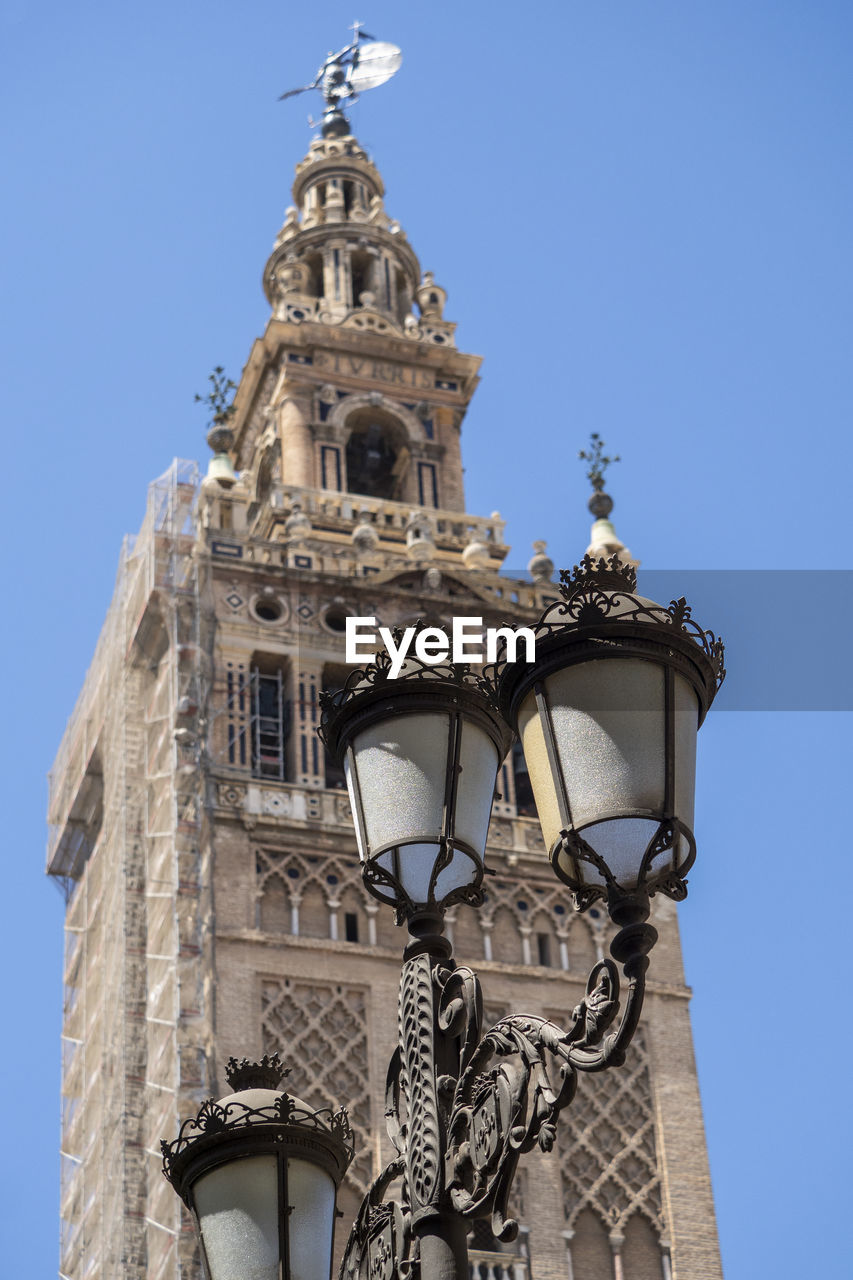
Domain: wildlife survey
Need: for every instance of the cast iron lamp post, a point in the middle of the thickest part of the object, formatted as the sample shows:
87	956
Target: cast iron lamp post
607	716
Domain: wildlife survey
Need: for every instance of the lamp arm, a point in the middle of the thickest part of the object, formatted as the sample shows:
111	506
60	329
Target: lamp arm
504	1108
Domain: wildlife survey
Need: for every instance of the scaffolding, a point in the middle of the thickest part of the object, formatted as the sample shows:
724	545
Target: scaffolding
126	844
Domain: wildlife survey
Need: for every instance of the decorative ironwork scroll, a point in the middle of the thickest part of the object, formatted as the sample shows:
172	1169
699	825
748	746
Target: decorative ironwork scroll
501	1100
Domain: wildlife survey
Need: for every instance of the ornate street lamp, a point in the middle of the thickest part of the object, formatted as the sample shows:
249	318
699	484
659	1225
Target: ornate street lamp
607	717
421	755
259	1171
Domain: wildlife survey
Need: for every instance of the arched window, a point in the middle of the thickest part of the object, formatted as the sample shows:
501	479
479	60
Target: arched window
377	457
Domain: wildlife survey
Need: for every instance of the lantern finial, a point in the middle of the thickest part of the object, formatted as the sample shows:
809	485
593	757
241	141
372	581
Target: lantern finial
266	1074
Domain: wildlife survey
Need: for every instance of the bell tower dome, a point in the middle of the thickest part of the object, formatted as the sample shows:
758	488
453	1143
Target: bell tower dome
356	388
339	255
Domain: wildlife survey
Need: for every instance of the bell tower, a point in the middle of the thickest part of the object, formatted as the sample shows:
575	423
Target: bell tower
356	389
205	842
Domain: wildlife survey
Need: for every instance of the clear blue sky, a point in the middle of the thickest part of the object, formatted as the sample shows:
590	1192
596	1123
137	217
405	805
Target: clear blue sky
642	215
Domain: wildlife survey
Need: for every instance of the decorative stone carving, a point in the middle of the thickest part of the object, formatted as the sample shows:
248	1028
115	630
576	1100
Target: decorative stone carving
608	1156
322	1029
231	793
278	803
500	833
343	810
533	837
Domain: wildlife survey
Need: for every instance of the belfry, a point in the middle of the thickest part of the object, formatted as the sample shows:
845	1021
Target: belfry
205	842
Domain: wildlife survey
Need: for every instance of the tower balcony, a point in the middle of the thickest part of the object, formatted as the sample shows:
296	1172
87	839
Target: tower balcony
334	516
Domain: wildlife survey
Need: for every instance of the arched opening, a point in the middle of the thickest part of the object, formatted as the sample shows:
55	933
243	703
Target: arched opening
274	907
376	454
404	297
314	285
544	946
582	954
641	1254
591	1252
360	268
265	477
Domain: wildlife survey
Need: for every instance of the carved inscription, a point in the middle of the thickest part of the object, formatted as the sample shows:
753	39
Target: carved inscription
375	370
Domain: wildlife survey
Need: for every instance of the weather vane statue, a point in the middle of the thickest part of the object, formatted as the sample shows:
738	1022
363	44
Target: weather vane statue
362	64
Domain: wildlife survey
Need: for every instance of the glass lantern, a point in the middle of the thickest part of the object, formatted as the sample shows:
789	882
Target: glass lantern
421	754
259	1171
608	717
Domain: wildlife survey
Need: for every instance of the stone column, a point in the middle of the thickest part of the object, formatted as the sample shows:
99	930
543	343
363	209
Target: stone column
616	1242
297	446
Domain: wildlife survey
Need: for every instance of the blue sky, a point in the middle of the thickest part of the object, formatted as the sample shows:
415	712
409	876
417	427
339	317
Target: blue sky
642	216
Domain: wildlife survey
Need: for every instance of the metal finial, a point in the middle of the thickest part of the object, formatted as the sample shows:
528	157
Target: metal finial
362	64
220	403
598	461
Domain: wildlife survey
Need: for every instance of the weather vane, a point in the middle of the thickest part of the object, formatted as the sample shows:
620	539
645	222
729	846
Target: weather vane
362	64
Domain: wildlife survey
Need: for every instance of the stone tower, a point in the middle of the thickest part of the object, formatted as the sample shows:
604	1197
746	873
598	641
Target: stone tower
215	905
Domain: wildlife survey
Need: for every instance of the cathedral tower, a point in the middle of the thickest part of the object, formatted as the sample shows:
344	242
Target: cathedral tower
205	843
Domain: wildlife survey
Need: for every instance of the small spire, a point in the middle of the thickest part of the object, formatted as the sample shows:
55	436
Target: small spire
220	437
604	541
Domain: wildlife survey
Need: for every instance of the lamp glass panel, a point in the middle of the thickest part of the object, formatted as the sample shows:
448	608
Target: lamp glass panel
608	719
686	731
460	872
621	842
575	870
542	782
401	766
411	865
237	1207
478	759
349	774
311	1224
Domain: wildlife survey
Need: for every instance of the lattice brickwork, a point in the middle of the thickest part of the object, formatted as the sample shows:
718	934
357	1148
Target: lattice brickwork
321	1029
608	1158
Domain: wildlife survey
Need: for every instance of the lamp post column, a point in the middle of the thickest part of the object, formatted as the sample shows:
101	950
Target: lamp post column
429	1069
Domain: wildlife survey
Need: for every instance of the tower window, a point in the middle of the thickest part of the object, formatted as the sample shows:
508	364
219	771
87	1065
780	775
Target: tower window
269	724
334	776
543	949
524	803
330	465
314	287
350	926
375	461
360	268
